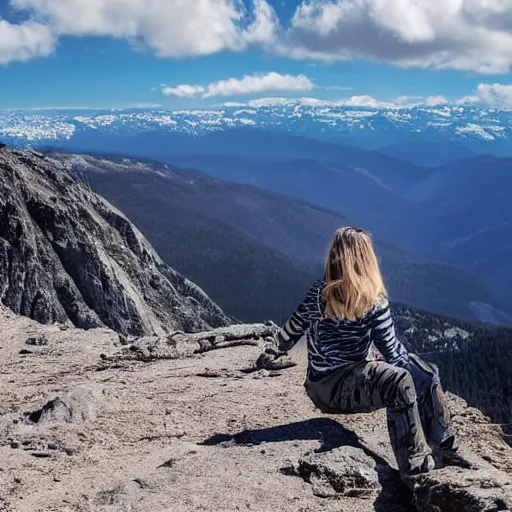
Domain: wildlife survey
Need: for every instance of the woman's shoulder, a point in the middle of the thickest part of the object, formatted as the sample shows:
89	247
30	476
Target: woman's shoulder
380	307
314	298
319	284
316	288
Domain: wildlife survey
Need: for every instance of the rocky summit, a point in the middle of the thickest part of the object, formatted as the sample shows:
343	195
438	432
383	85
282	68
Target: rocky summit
68	256
129	390
188	422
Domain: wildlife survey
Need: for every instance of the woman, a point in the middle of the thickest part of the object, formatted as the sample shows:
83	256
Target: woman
345	315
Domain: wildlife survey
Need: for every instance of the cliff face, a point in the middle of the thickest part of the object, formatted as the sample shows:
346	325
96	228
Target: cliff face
66	254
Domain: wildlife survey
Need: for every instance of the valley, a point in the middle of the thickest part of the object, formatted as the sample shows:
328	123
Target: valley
169	204
416	176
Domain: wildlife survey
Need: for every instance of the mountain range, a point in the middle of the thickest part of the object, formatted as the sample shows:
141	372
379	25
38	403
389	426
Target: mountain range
70	257
422	183
220	233
459	213
372	127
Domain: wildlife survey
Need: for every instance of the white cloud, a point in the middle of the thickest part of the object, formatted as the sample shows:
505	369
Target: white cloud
169	28
249	84
183	91
264	27
361	101
269	102
468	100
495	95
365	101
433	101
20	42
409	100
400	102
465	35
257	84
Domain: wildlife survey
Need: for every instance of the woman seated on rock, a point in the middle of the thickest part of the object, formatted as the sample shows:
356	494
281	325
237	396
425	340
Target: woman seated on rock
344	315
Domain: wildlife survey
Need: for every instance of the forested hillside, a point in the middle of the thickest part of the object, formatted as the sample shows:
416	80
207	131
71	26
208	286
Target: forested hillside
475	359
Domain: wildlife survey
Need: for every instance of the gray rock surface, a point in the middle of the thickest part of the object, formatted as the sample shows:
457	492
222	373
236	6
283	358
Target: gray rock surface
345	471
68	255
200	433
458	490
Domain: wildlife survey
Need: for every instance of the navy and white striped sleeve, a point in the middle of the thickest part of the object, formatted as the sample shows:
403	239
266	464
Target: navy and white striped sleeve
307	312
384	337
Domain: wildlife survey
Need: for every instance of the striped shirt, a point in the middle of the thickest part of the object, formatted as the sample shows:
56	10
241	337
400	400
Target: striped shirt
337	342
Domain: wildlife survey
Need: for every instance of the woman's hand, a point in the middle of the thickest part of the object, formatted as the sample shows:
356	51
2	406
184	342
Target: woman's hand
268	359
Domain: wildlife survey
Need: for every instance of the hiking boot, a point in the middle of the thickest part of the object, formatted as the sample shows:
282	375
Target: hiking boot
409	478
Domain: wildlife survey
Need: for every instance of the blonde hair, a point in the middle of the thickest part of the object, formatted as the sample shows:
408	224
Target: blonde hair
353	280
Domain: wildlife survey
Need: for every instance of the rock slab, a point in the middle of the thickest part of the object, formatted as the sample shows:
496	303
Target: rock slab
345	471
454	490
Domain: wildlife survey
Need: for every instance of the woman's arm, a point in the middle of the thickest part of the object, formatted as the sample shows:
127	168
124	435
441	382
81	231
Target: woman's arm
307	312
384	336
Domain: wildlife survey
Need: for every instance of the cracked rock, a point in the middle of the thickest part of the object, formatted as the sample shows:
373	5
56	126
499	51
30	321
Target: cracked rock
346	471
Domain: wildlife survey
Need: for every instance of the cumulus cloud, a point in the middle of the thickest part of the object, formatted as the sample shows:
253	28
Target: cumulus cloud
20	42
183	90
257	84
433	101
468	100
249	84
169	28
465	35
495	95
265	25
401	101
364	101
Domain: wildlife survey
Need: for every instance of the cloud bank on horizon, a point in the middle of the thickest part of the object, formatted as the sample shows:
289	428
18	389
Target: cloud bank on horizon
494	95
472	36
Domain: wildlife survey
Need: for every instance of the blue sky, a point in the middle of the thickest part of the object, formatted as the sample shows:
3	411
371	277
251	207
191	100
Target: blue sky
121	53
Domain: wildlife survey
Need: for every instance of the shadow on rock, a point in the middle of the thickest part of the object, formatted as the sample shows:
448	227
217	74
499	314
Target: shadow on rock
332	436
330	433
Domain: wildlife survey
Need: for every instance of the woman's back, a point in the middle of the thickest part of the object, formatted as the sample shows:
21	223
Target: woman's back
334	342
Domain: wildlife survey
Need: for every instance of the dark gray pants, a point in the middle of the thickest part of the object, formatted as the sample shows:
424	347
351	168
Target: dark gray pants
416	409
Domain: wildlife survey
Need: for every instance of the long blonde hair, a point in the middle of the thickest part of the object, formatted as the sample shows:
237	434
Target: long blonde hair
353	280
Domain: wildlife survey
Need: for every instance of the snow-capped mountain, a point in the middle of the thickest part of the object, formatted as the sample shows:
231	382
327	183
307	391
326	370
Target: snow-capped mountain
371	127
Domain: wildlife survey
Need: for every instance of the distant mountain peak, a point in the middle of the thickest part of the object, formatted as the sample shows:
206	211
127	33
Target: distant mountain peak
368	125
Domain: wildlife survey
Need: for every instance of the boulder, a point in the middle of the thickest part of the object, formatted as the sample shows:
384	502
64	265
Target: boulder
345	471
460	490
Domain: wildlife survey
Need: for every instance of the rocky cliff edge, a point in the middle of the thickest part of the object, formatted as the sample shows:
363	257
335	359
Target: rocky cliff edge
187	423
